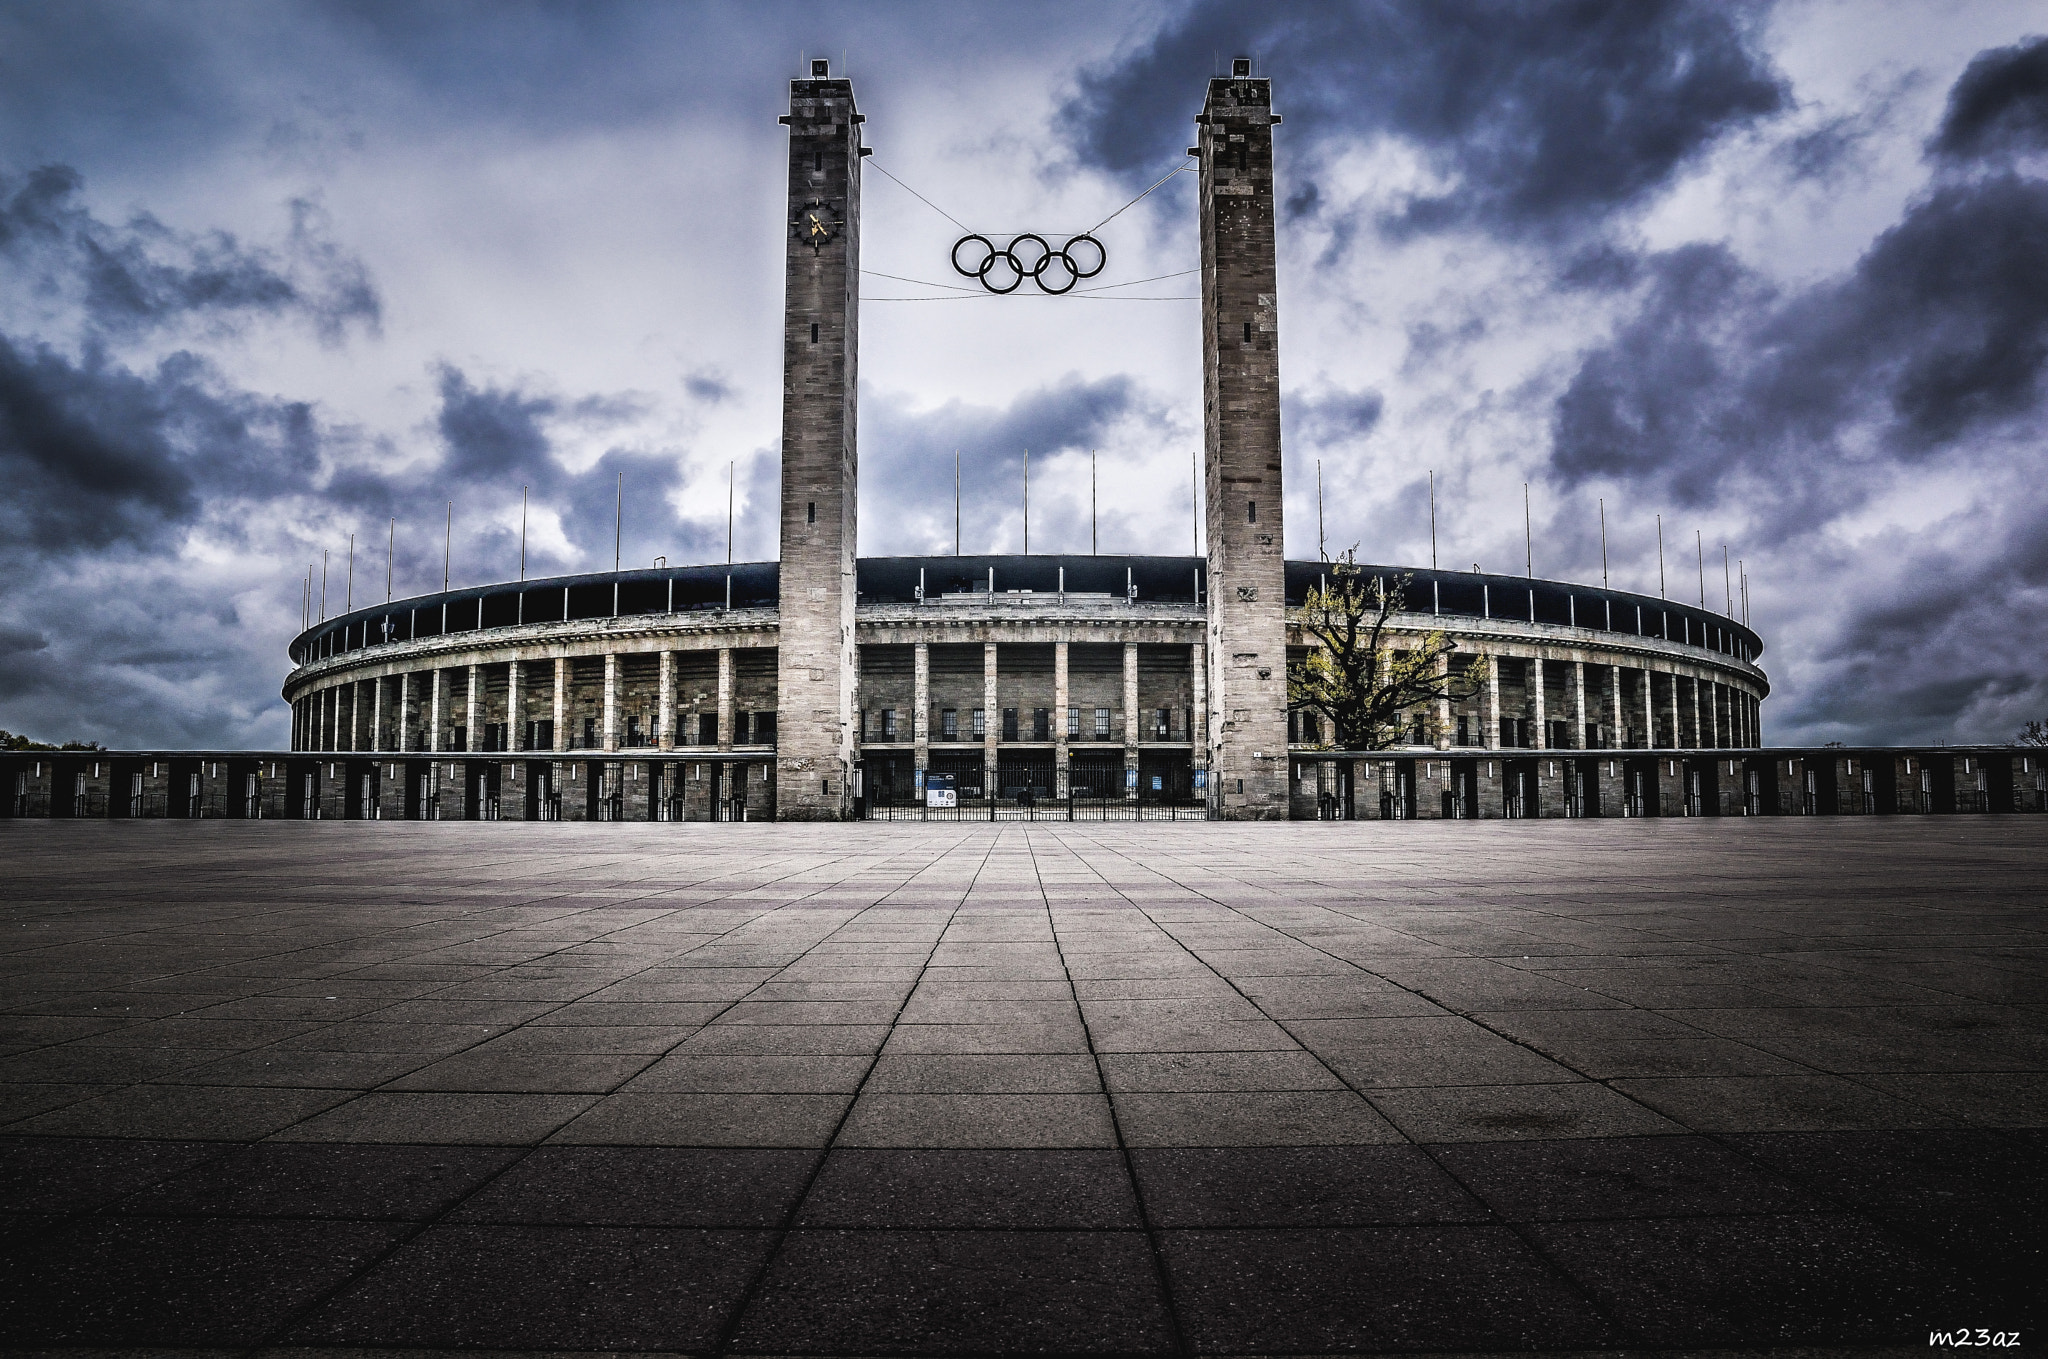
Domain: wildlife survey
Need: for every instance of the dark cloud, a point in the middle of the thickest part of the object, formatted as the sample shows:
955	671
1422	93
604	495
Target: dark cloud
1540	115
95	455
1925	364
1330	416
1999	106
1940	332
143	275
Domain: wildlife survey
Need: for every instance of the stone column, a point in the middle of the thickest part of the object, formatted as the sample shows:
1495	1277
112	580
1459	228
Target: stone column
1134	726
992	718
1578	731
665	711
1247	609
1649	708
439	681
725	698
1443	705
1198	736
611	700
1062	693
1538	700
355	711
515	730
472	709
561	708
921	706
404	733
377	715
1677	736
1713	710
1492	705
817	666
1618	736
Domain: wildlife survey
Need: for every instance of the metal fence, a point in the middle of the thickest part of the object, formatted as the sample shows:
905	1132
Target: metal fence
1074	807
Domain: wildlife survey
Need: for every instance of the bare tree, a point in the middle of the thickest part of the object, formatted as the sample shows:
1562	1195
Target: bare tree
2032	734
1372	684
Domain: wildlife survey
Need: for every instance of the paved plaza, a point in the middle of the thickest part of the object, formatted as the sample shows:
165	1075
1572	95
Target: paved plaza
313	1088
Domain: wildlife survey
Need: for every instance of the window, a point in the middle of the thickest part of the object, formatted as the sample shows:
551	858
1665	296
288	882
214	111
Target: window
1073	722
590	733
1102	724
740	722
1464	729
888	724
1311	727
632	732
814	332
949	724
764	729
1041	724
1009	724
1162	724
707	729
811	512
1247	332
979	730
1251	511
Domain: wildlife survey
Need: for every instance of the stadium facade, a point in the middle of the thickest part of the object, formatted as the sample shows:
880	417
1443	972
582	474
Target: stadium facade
827	686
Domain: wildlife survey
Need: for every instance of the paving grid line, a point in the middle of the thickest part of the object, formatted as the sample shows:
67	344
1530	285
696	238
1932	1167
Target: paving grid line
1264	920
1523	1230
729	1330
1586	1297
758	915
1176	1330
283	1328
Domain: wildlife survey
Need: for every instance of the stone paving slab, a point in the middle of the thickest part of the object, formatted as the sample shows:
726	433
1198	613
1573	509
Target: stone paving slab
1573	1087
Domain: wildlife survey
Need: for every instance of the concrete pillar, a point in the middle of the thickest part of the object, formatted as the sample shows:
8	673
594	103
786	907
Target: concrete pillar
1247	623
1649	708
404	733
665	708
725	698
992	718
438	680
1677	737
921	706
1699	739
1062	692
472	709
355	708
818	667
1713	710
1134	726
1494	703
610	726
1538	699
561	708
1198	736
1619	735
515	730
377	714
1578	731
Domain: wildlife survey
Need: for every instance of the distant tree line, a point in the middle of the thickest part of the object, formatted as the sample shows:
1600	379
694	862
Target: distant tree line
10	741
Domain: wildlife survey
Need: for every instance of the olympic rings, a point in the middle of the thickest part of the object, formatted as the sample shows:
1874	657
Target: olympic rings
1054	271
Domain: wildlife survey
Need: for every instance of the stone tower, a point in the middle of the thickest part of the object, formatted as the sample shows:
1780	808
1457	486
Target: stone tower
1241	394
820	343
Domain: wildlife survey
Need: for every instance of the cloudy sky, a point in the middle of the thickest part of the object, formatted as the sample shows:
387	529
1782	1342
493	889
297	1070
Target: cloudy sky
272	274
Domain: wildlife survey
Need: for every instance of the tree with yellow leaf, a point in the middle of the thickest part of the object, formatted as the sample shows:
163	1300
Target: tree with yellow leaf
1371	684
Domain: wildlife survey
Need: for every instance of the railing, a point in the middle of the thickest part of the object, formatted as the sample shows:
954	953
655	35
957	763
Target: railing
1073	807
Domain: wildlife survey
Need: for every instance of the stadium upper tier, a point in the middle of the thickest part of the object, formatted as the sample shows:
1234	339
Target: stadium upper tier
1083	581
